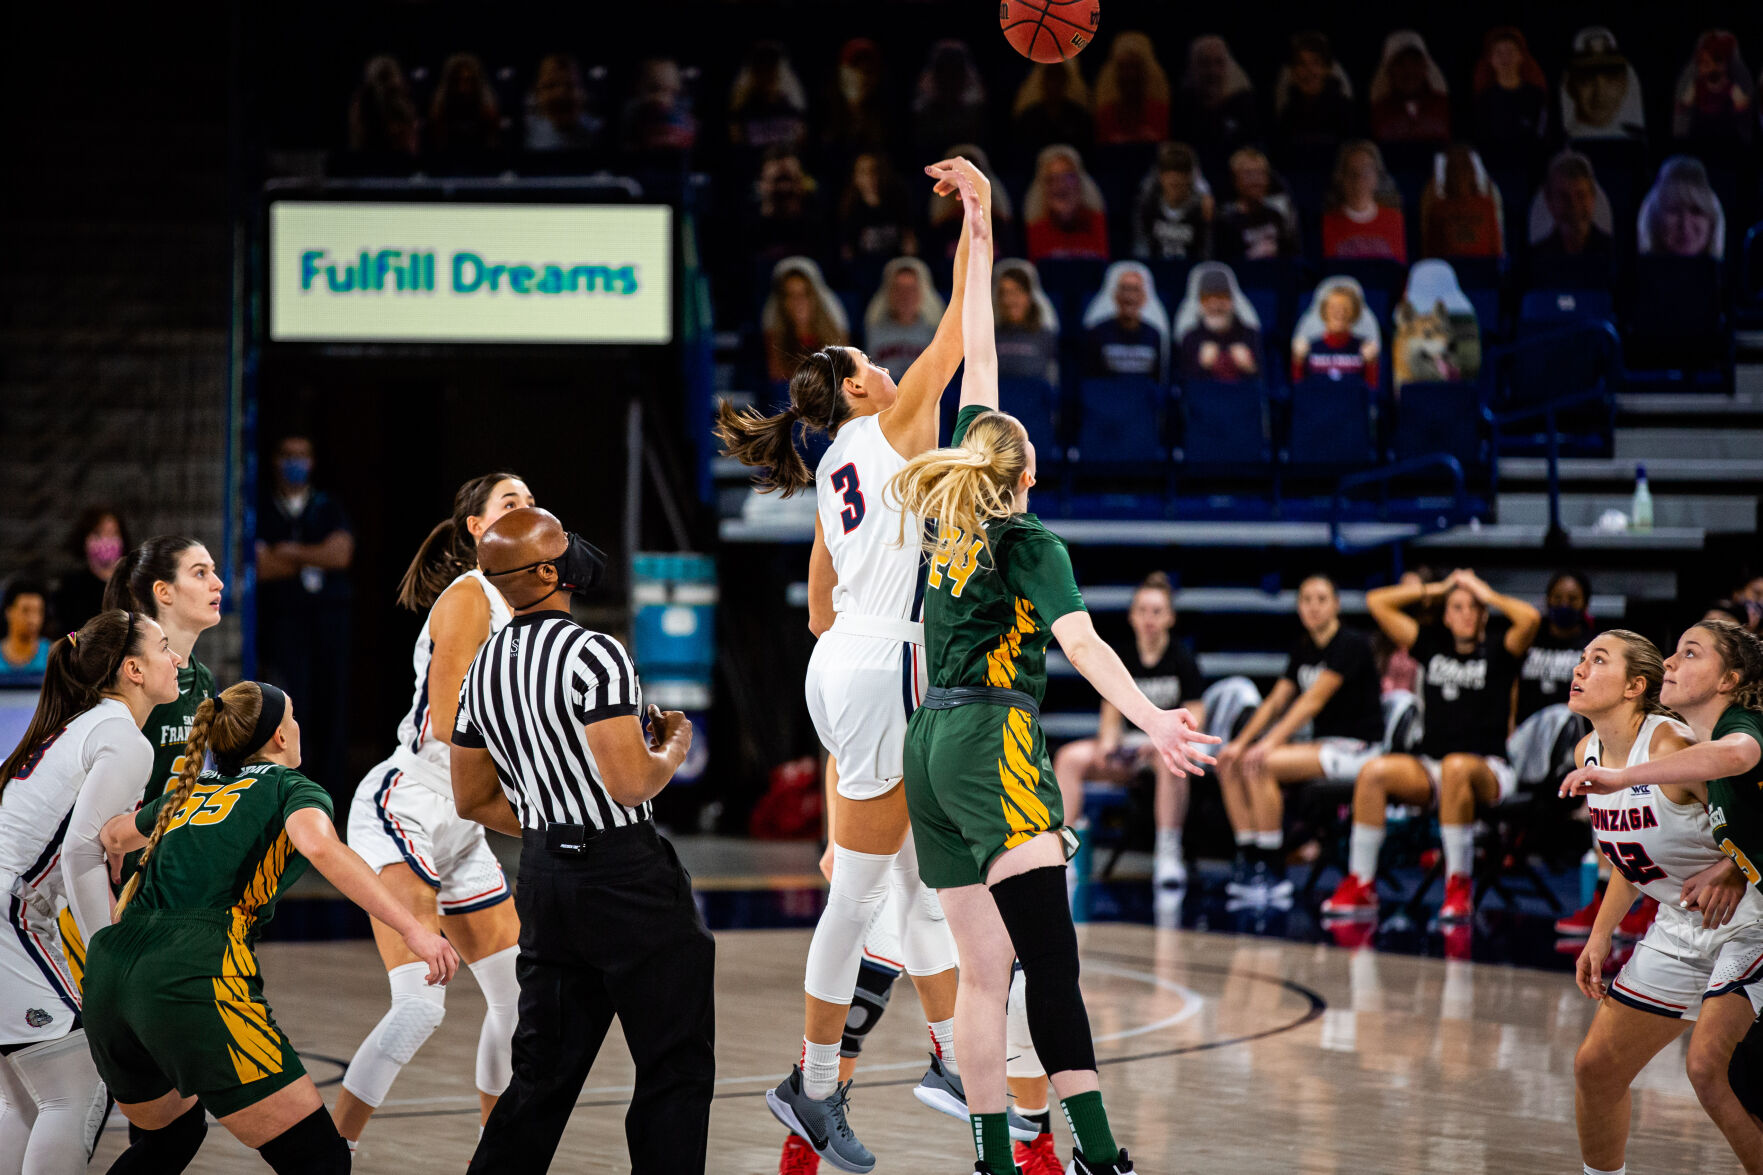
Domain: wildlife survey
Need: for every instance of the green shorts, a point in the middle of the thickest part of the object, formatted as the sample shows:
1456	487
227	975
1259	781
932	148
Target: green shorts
978	782
173	1000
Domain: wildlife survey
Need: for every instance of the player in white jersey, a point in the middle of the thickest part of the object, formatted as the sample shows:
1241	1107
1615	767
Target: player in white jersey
82	760
404	824
865	677
1701	961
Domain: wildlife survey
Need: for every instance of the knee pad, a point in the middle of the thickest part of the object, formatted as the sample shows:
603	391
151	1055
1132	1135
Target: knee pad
167	1150
496	978
1032	906
310	1146
875	986
859	885
1745	1071
1021	1059
927	946
417	1010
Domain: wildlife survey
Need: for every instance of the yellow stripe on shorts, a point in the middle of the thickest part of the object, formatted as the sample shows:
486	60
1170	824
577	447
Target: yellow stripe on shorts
73	949
255	1047
1024	813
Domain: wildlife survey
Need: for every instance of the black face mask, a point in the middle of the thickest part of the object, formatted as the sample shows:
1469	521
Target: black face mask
1566	619
580	568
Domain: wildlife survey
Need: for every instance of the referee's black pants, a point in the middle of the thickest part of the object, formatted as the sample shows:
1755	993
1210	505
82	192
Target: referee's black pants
612	932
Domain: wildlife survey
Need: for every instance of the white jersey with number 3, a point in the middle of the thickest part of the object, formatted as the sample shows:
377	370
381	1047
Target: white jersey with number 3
1656	844
878	573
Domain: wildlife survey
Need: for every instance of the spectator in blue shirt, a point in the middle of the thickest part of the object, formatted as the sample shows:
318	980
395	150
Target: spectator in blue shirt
1126	329
24	653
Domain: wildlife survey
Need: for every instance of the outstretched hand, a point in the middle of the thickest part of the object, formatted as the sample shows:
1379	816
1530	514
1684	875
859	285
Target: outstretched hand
959	175
1179	742
1590	781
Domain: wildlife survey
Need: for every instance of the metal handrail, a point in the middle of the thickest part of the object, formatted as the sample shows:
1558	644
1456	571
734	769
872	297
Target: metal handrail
1383	477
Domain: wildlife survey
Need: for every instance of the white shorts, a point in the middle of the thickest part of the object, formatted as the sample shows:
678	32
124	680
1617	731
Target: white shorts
861	690
397	819
1343	758
1503	775
38	997
1677	965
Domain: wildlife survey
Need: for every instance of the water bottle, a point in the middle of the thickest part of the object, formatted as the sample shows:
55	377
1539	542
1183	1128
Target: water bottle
1641	513
1588	877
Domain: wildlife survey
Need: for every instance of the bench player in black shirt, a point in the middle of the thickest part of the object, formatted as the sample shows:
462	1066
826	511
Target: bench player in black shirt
1330	690
1166	672
1468	663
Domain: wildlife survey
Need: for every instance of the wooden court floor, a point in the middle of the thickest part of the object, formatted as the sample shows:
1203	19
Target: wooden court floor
1220	1054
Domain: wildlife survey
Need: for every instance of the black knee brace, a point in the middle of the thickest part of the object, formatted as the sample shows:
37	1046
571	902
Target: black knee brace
1745	1072
310	1146
1033	907
167	1150
875	986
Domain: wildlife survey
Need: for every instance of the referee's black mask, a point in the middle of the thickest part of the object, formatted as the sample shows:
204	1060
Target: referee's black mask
521	541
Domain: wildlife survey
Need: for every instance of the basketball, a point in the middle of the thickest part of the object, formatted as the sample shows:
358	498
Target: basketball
1049	30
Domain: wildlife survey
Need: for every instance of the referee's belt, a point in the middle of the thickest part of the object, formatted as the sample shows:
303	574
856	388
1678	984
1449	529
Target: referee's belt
887	628
947	697
576	840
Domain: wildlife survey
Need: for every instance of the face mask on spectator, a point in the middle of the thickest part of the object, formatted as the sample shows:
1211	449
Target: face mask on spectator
296	471
103	550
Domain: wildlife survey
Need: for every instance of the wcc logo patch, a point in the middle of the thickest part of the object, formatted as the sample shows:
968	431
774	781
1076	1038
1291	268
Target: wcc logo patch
37	1018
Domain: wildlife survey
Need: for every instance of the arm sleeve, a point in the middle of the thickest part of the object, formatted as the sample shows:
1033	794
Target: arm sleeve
603	682
465	727
1039	570
121	763
300	792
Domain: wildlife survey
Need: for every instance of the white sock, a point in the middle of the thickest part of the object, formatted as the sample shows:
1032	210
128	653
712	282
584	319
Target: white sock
942	1038
820	1069
1591	1170
353	1143
1459	841
1169	842
1269	841
1362	850
1246	840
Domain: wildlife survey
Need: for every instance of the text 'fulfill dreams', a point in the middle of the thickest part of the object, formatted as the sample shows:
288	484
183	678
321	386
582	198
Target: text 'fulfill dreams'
414	272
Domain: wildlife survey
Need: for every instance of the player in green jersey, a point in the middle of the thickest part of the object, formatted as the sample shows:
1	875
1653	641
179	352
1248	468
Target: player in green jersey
174	580
984	801
174	1008
1715	682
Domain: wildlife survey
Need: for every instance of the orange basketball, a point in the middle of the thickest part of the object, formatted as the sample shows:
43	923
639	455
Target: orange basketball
1049	30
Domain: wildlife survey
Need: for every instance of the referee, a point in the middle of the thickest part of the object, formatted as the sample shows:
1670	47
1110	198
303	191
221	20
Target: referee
548	747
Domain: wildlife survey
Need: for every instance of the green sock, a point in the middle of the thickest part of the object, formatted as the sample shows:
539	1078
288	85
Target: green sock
991	1142
1089	1128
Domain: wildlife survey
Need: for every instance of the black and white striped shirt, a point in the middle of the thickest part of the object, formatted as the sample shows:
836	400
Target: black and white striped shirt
529	696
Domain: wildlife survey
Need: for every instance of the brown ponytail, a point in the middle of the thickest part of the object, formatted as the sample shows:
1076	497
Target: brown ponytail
154	561
81	667
449	551
964	487
223	723
817	403
1741	651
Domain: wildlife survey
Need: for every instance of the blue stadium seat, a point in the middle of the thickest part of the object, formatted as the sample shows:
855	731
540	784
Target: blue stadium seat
1551	309
1035	402
1225	426
1678	319
1444	418
1333	427
1386	277
1070	282
1120	423
1171	280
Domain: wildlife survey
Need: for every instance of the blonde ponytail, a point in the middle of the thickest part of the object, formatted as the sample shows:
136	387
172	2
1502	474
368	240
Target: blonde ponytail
964	487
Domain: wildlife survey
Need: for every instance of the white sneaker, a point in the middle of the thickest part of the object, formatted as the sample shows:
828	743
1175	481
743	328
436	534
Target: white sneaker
1169	871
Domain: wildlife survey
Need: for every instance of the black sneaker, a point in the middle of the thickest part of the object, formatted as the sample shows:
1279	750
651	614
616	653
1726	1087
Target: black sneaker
1121	1166
1241	876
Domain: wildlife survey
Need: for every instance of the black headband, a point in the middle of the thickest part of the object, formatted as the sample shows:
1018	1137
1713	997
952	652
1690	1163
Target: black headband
269	720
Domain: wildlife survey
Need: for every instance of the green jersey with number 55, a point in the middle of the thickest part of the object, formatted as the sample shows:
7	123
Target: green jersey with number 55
989	611
227	847
1735	803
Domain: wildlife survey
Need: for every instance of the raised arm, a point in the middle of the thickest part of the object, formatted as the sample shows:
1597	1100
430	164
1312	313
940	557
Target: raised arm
1526	620
1389	607
1723	758
979	382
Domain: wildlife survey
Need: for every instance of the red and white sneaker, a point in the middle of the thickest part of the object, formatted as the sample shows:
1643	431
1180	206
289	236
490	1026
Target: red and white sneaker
1039	1157
1635	923
1352	898
1579	923
798	1157
1459	899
